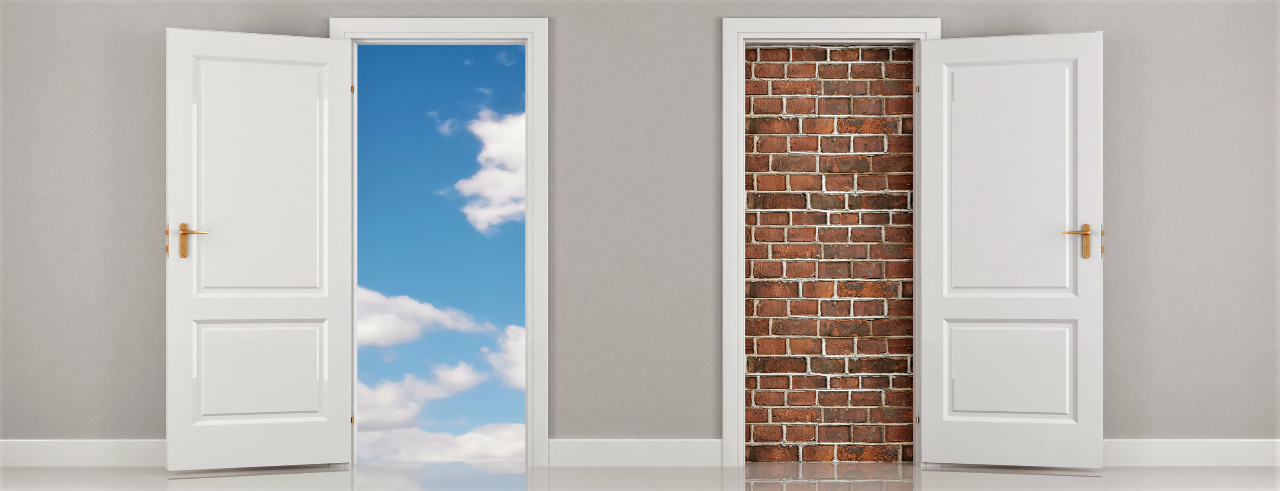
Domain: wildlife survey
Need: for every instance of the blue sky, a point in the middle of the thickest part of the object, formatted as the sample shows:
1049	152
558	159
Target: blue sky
440	159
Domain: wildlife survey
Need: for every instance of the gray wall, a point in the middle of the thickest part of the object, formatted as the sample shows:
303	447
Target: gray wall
1191	194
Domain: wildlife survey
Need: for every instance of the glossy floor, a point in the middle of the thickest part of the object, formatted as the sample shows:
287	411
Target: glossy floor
756	477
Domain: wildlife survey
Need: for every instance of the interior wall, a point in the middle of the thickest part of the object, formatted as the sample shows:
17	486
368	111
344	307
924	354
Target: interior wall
1191	343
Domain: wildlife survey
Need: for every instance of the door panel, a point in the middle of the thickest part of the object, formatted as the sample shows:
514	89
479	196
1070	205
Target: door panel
259	313
1009	313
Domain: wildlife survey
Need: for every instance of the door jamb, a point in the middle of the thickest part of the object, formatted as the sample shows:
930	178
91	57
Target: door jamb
737	34
532	33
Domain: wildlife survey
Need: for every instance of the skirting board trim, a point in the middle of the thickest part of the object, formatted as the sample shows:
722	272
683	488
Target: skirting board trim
642	453
1191	453
634	453
82	453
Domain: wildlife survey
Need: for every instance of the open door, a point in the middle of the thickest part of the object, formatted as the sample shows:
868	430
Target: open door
1009	260
259	267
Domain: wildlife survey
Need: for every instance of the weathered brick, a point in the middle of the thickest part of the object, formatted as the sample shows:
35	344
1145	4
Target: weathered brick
775	364
844	87
800	433
866	126
772	289
773	453
794	327
773	125
845	327
801	70
867	289
794	87
766	201
793	163
833	71
867	453
844	164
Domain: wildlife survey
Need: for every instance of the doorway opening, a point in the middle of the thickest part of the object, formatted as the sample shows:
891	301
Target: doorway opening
828	248
441	287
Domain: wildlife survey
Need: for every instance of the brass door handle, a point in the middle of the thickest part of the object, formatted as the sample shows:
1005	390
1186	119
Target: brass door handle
1084	239
182	238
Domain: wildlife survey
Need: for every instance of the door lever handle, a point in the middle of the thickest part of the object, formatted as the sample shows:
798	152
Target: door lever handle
1084	239
182	238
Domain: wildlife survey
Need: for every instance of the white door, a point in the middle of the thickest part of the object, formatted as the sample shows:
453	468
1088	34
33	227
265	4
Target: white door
1009	310
259	311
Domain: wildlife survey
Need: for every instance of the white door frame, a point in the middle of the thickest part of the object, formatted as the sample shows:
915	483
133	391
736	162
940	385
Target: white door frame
737	34
532	33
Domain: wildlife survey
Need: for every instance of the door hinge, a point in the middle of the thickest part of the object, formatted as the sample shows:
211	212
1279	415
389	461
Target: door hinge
917	88
166	240
353	88
917	420
353	420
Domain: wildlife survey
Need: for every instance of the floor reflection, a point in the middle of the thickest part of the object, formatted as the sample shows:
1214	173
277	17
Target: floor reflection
755	477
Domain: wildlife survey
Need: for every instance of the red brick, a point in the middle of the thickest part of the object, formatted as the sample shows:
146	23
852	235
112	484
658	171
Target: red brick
844	87
808	218
773	453
901	382
808	54
898	308
889	87
766	269
840	183
827	201
840	347
844	218
800	433
760	163
896	105
875	382
766	433
771	346
757	251
844	164
805	346
773	125
865	126
834	269
892	163
834	433
801	234
769	398
793	163
900	182
768	234
757	327
833	398
835	144
798	269
891	415
875	54
794	415
804	307
767	382
826	365
868	309
818	126
775	201
801	105
772	289
908	126
794	87
896	433
877	202
775	218
903	54
808	382
908	289
771	182
775	54
844	55
794	327
804	144
801	70
864	70
818	453
866	144
865	398
801	398
834	308
752	54
775	364
805	182
768	70
844	382
891	251
878	365
844	328
897	398
898	70
766	105
871	346
900	346
833	71
833	105
755	415
844	415
867	453
757	87
875	218
771	144
866	106
819	289
897	234
844	251
868	434
891	327
867	289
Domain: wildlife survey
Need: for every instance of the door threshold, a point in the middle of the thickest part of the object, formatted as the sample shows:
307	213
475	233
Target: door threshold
258	471
1011	469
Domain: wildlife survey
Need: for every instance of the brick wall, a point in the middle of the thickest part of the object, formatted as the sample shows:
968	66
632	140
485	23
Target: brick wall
829	253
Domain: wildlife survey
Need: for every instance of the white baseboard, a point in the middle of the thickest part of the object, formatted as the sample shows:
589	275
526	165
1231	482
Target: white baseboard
634	453
647	453
82	453
1191	453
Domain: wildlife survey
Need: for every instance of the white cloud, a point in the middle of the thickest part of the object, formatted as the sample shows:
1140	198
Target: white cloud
385	321
506	59
445	127
497	191
484	91
509	360
393	405
486	443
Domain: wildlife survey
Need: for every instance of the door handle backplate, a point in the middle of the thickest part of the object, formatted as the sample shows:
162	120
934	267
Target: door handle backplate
1084	239
182	238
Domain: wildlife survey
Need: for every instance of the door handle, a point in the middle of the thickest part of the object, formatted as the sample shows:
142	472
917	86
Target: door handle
1083	233
183	233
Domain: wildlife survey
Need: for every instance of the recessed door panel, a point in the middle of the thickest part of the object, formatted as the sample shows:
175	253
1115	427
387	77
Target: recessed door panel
261	159
1010	164
251	369
1005	369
